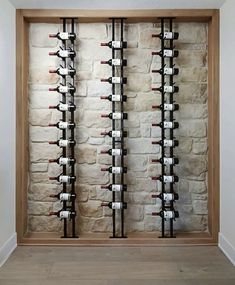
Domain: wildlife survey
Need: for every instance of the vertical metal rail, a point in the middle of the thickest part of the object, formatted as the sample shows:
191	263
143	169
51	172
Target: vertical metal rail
113	128
64	132
162	119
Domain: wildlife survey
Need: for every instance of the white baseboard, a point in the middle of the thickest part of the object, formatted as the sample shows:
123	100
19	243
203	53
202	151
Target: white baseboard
8	247
227	248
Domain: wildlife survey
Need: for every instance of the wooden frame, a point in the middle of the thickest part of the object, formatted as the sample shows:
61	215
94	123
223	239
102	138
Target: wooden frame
23	17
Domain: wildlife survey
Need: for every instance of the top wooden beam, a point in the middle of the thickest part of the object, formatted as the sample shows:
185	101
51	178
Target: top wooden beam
88	16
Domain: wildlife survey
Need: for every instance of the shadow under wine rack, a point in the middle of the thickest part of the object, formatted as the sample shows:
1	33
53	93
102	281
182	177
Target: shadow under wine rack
167	125
67	142
118	151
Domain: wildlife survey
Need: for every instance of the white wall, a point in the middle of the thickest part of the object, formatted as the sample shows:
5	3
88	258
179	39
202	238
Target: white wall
7	129
227	124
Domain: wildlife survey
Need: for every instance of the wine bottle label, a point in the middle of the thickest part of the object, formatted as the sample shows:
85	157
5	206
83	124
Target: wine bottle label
116	79
168	179
117	116
64	178
169	214
63	143
116	151
116	169
168	125
116	187
168	89
168	35
64	36
168	71
116	134
116	205
116	61
168	52
116	44
63	89
168	143
168	107
168	197
116	98
64	53
63	125
65	196
64	214
63	71
167	160
63	107
63	160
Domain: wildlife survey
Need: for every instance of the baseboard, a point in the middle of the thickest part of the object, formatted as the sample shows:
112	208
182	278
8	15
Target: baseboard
227	248
8	247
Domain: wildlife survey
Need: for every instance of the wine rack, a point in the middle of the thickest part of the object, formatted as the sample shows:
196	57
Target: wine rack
168	90
67	142
118	117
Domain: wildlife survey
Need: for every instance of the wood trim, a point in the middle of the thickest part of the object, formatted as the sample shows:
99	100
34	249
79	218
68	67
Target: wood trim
22	138
33	15
23	17
213	126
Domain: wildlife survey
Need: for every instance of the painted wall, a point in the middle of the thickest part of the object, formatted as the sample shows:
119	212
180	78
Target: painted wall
227	124
7	128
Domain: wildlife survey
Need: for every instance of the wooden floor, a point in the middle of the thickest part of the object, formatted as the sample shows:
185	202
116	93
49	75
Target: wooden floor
205	265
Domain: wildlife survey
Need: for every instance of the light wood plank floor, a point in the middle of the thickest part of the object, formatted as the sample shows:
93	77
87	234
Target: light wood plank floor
204	265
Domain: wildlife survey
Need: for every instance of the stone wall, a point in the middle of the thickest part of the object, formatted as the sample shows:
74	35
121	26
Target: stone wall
192	133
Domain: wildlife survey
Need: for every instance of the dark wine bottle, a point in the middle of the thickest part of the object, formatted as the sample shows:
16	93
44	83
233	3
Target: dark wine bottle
167	214
64	53
167	125
64	143
115	62
115	134
115	80
166	53
115	170
167	197
62	214
167	36
115	44
64	107
167	89
115	98
63	125
167	71
63	36
64	196
115	205
167	160
115	116
114	151
63	160
167	107
115	187
166	178
64	178
64	89
64	71
167	143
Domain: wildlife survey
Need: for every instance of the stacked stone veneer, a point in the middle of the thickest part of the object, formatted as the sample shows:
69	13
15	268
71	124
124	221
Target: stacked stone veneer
192	133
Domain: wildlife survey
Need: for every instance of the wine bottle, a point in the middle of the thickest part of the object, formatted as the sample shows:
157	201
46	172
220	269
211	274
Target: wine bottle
115	134
115	205
63	36
64	53
64	107
115	62
167	178
167	160
167	107
115	187
64	179
64	214
115	80
167	214
115	44
167	125
63	71
167	89
167	196
64	89
167	71
63	160
115	98
64	196
64	143
115	170
167	143
167	36
166	53
63	125
115	116
114	151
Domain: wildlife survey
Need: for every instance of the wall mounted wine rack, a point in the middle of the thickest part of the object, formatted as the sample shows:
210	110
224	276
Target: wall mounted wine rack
168	90
118	151
67	107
